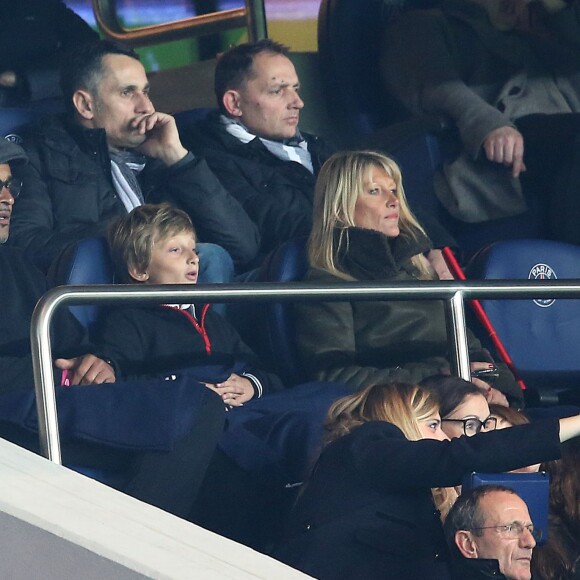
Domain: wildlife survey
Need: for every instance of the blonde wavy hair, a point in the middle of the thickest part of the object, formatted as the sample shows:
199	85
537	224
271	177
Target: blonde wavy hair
340	182
401	404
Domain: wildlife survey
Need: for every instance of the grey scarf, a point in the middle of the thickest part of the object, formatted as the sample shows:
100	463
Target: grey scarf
125	166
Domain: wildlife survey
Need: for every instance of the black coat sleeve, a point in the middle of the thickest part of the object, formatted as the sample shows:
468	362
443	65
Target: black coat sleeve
383	454
34	226
217	216
21	286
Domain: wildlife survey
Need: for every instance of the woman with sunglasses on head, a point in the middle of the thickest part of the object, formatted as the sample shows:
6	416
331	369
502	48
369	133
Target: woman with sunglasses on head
369	510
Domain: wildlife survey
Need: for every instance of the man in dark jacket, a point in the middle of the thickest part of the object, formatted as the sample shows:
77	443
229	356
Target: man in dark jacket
253	143
490	534
21	287
254	147
110	153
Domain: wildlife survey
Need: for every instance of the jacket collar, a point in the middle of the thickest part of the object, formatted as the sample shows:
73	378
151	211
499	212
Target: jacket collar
255	145
89	140
63	134
370	255
476	569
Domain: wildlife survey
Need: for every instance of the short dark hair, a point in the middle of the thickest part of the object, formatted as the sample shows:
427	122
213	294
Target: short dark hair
466	515
82	66
450	391
234	67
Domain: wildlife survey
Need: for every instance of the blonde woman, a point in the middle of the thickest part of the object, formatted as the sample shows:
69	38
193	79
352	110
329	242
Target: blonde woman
369	510
363	229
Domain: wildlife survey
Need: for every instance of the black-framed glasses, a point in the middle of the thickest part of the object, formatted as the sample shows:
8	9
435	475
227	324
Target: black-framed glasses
473	426
514	530
14	186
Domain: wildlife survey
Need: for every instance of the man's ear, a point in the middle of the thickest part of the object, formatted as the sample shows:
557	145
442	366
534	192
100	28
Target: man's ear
137	275
84	104
231	102
466	544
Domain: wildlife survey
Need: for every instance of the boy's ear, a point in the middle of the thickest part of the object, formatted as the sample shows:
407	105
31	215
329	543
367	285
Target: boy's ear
138	275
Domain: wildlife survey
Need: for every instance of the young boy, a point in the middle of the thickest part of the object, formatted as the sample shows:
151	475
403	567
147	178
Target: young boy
155	244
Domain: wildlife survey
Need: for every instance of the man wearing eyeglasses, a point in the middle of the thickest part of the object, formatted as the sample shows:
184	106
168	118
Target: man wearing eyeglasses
9	187
21	285
490	535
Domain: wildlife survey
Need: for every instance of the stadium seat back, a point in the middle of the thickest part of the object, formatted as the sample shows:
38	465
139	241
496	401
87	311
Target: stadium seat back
542	336
287	264
86	262
14	119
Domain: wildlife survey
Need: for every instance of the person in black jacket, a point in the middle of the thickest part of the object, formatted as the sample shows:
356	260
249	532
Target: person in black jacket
35	33
255	148
110	153
21	286
368	510
155	244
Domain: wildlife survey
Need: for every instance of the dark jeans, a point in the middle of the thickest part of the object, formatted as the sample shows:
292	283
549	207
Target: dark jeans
171	481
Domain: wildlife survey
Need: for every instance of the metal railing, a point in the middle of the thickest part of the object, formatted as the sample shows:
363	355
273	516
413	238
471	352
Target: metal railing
252	17
454	294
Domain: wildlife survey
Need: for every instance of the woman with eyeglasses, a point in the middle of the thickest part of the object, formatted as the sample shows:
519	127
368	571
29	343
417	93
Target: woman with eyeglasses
369	511
463	406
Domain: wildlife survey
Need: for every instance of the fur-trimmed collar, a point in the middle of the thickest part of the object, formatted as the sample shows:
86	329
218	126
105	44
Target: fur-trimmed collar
370	255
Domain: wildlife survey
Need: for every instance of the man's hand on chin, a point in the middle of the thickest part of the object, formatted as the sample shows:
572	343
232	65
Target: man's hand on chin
161	138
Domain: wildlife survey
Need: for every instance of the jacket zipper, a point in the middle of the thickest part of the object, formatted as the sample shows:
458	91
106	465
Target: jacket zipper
200	327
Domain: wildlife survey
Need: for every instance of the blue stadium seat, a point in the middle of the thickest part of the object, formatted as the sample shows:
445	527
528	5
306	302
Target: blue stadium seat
288	263
541	336
533	488
13	119
85	262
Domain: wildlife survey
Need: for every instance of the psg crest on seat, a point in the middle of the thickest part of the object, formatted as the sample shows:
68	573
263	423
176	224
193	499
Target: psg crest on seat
543	272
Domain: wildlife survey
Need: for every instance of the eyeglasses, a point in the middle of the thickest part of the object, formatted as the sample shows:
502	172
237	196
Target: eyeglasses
514	530
473	426
12	185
